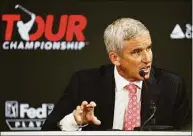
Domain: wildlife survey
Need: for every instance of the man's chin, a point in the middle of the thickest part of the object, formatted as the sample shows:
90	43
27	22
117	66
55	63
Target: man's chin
147	76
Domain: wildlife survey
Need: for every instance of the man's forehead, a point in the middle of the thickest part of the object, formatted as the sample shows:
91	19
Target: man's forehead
139	41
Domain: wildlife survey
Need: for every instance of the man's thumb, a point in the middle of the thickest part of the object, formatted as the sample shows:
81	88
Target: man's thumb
96	121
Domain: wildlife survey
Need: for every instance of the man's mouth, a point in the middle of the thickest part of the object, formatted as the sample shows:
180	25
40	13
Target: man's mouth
146	69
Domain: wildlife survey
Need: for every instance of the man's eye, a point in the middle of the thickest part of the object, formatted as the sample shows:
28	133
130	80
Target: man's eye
137	52
149	48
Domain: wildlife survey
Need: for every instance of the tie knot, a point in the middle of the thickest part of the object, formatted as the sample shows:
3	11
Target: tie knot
132	88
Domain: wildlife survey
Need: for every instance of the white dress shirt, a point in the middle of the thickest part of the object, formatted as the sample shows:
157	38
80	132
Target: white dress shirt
122	98
68	123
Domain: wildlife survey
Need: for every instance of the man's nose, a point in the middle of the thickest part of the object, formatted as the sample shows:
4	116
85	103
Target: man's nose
147	57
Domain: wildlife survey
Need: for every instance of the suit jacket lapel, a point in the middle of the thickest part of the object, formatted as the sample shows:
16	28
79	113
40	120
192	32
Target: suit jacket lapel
149	94
107	84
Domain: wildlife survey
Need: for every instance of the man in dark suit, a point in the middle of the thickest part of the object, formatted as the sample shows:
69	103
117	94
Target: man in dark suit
123	95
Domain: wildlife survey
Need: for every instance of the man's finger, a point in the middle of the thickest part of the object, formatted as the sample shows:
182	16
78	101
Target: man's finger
78	107
93	104
90	109
95	120
79	110
84	103
77	117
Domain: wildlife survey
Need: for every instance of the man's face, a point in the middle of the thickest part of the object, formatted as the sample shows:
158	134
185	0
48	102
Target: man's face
135	56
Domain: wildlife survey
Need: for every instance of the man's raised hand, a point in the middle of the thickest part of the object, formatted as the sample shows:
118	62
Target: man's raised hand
84	114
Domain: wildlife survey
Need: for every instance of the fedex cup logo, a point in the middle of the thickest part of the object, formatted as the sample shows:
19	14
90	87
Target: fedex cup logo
70	33
25	117
32	113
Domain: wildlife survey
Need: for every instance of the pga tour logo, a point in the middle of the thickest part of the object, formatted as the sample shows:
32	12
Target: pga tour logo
68	36
23	117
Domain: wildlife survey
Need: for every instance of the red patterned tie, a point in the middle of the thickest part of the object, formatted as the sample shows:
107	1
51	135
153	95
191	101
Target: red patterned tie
132	113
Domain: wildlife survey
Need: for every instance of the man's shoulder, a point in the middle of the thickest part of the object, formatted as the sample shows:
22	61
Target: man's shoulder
98	71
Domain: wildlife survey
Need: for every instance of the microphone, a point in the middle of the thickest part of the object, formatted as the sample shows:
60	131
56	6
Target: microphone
142	74
152	118
153	107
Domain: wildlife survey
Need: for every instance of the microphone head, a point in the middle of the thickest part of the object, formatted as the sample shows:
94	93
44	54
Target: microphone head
142	73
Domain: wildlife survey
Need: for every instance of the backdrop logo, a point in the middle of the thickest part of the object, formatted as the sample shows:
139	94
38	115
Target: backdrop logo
69	35
23	117
177	32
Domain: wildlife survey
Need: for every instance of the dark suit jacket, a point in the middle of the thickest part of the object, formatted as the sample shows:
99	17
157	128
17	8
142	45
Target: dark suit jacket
164	88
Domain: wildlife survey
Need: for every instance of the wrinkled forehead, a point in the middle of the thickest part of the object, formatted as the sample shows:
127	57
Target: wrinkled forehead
138	42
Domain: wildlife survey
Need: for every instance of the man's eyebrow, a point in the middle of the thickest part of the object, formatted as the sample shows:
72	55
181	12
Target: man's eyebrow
137	49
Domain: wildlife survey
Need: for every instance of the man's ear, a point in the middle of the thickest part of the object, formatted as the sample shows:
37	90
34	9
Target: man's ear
114	57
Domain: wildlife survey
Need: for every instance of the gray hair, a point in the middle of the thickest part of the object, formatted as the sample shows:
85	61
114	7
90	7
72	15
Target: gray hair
120	30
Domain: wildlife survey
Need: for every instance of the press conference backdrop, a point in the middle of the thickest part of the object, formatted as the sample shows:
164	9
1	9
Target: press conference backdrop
67	36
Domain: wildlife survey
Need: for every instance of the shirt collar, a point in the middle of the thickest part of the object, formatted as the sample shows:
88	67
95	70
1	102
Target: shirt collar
121	82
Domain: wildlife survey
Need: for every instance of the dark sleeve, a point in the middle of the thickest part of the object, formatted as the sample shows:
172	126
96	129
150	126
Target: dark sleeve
65	106
181	112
